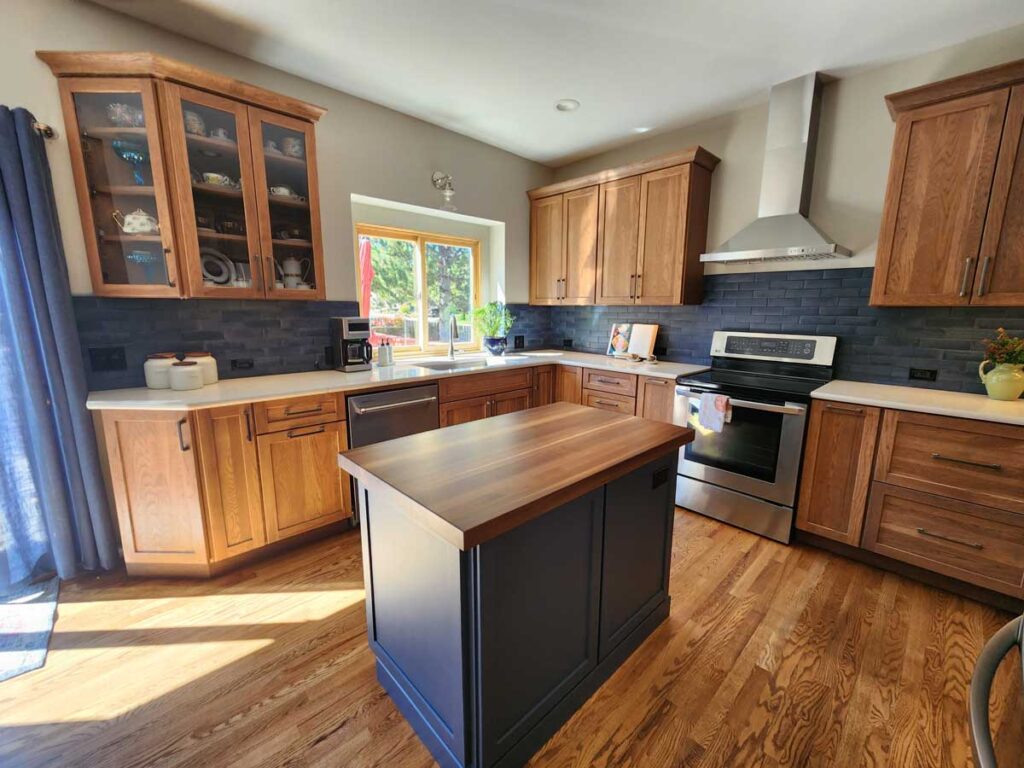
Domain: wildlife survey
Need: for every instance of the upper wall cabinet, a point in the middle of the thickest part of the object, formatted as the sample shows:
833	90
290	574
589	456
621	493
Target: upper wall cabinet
190	184
631	235
954	207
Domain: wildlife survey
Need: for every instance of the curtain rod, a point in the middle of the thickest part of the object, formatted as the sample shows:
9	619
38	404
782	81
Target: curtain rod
44	130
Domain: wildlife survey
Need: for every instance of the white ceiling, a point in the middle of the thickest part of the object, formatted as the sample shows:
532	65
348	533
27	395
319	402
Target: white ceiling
493	69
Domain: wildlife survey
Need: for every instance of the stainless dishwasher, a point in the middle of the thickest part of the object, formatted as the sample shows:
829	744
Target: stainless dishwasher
386	415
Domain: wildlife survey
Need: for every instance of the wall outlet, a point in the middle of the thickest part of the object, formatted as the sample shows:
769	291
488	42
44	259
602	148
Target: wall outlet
566	343
107	359
519	342
242	364
923	374
659	352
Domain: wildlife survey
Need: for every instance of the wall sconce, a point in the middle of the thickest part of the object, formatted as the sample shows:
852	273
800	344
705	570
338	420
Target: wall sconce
446	184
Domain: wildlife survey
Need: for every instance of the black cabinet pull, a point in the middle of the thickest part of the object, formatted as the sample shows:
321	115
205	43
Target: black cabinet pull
289	412
181	436
943	537
248	426
293	433
968	462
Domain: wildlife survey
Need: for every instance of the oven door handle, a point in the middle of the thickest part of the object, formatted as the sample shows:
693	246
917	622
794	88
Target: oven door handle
787	409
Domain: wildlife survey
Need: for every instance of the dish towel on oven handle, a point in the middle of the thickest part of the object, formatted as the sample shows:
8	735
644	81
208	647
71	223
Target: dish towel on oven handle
715	411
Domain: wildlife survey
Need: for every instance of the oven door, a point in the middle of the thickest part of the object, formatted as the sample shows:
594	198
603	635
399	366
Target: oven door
756	453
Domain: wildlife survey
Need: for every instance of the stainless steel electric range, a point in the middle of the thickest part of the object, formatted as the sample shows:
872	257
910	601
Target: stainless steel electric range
747	474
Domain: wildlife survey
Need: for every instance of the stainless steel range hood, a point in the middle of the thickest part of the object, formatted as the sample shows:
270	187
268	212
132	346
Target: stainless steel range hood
782	230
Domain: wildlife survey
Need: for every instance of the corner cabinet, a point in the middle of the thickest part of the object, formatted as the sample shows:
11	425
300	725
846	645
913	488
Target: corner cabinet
190	184
631	235
953	213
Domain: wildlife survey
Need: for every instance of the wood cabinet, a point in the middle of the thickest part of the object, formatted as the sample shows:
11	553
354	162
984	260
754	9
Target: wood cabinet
230	473
609	390
954	207
630	235
223	173
940	493
838	456
569	384
656	398
474	408
609	402
303	488
479	384
563	248
544	385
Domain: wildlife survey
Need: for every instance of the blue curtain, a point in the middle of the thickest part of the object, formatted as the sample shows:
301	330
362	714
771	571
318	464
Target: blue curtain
53	505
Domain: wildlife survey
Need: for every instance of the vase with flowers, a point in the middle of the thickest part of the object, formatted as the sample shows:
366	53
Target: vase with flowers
1006	354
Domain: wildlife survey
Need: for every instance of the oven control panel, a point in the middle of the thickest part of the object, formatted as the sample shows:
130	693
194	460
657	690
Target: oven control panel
813	350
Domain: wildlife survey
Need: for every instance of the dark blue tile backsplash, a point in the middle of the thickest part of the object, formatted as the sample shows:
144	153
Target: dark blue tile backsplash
875	344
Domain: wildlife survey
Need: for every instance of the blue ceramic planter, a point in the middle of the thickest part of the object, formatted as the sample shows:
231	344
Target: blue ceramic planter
496	344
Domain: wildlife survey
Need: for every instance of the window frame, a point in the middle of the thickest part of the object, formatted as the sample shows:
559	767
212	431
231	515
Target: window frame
421	239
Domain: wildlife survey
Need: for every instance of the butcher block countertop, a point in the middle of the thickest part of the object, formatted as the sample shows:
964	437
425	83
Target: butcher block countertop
472	482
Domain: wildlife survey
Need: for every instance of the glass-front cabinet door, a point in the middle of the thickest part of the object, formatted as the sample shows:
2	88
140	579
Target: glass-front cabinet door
122	192
284	159
215	193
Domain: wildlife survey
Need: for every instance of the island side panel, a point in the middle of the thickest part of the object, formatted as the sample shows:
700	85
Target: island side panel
537	598
414	583
639	515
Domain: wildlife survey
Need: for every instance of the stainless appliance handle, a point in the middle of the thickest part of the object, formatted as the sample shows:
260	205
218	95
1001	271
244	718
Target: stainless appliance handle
790	410
391	406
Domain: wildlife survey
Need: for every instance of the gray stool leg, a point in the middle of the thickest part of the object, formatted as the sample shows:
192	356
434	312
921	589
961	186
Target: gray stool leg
992	654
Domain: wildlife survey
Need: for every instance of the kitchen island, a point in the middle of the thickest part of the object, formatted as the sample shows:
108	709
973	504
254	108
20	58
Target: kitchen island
511	565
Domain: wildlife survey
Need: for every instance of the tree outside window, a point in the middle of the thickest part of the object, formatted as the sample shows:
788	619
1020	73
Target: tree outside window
413	283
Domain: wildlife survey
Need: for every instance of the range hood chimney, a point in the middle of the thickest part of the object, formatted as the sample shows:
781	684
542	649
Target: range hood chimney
782	230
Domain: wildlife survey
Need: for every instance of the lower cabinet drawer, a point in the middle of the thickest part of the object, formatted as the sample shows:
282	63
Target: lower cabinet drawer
279	415
976	544
480	384
610	381
607	401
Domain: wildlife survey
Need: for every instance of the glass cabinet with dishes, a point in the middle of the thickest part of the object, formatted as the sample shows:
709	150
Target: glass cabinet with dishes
285	168
190	184
114	139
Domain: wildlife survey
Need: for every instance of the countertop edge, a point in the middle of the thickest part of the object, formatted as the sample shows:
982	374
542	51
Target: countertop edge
964	405
97	401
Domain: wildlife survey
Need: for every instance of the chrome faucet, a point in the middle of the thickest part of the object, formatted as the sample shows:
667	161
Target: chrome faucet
453	334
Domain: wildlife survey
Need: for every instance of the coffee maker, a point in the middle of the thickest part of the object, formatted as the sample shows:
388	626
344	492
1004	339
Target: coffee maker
350	338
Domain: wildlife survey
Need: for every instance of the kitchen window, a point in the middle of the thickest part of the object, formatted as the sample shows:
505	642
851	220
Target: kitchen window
411	284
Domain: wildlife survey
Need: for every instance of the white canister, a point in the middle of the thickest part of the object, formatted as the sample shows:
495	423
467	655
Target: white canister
157	370
207	363
186	374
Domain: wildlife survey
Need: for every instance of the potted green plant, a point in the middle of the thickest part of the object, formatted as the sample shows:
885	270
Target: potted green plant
1006	379
493	322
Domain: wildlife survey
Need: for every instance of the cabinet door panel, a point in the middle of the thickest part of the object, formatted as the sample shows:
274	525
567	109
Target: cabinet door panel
465	411
226	439
156	490
617	247
1000	279
581	223
544	385
656	399
214	192
303	488
547	250
568	384
117	160
841	442
288	198
940	178
663	205
510	402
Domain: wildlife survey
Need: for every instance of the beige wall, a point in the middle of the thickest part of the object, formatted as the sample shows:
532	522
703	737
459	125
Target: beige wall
853	148
362	148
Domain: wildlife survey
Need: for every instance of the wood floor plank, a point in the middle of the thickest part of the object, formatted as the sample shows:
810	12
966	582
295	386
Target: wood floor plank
772	656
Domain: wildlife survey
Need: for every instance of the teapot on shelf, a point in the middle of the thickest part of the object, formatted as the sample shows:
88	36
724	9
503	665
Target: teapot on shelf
138	222
293	272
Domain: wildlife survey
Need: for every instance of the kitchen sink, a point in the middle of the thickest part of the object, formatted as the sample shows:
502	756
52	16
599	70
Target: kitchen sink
453	365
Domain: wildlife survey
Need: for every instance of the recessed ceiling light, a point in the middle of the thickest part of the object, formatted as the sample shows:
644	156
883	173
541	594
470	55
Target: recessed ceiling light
567	105
641	129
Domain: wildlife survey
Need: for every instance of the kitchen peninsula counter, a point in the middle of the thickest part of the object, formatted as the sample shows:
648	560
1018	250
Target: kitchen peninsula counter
511	565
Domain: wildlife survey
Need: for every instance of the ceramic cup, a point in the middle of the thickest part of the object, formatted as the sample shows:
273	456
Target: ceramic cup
219	179
220	133
293	281
271	146
282	191
194	123
292	146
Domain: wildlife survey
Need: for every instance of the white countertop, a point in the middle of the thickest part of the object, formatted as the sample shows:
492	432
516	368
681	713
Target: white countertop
254	388
942	403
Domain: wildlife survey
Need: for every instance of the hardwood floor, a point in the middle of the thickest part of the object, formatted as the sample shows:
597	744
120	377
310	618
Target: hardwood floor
772	656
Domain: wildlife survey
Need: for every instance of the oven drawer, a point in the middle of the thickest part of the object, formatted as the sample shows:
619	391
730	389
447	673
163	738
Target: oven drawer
976	461
609	402
976	544
310	410
610	381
